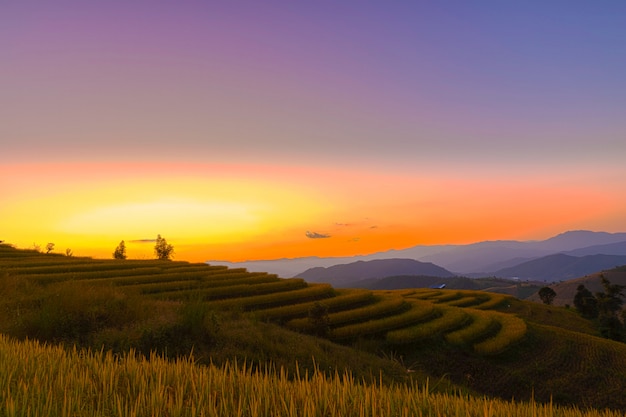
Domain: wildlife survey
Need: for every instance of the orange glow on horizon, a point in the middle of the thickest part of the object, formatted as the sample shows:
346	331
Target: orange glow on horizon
247	212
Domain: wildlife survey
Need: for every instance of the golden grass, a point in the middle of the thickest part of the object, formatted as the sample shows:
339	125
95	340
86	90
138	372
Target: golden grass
382	307
48	381
419	311
513	329
449	318
342	300
482	323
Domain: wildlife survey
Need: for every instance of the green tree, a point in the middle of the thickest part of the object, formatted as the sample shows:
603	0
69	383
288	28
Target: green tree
120	251
547	295
609	305
162	249
585	302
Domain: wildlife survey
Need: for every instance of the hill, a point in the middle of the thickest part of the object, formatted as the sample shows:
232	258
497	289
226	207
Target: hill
618	248
566	290
476	259
346	274
561	267
468	341
517	289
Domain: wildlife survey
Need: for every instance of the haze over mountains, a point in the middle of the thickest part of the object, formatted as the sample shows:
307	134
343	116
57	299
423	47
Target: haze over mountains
568	255
345	274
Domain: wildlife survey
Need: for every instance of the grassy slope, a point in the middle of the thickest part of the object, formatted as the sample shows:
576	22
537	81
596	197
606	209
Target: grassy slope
70	382
559	357
566	290
549	364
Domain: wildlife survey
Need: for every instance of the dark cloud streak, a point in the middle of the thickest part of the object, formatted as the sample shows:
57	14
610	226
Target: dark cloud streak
315	235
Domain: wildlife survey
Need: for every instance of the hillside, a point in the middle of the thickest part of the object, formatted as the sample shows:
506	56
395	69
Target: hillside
346	274
566	290
517	289
618	248
463	339
561	267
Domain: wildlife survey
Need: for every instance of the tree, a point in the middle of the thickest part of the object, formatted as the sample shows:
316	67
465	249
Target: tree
69	253
609	305
162	249
547	295
120	251
585	302
49	247
319	320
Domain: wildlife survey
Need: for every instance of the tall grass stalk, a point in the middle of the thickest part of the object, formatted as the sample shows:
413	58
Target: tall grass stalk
49	381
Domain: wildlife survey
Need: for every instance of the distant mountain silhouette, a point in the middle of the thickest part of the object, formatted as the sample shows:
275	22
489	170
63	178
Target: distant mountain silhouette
345	274
618	248
475	260
481	256
579	239
560	266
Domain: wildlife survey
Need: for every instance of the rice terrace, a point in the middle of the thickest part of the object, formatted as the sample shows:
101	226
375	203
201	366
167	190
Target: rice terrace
87	336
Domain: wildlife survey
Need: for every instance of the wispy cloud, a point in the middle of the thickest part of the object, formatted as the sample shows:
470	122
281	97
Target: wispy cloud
142	241
315	235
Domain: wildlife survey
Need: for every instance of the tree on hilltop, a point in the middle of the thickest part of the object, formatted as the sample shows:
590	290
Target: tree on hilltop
547	295
162	249
120	251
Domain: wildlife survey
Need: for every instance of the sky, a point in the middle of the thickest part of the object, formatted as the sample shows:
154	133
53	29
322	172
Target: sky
265	130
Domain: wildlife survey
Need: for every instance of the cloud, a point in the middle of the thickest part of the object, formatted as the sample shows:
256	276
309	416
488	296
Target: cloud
142	241
315	235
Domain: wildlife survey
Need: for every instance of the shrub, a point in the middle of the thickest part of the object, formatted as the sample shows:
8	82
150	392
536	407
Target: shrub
318	320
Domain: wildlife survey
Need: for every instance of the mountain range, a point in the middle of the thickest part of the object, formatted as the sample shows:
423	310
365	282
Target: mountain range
348	274
568	255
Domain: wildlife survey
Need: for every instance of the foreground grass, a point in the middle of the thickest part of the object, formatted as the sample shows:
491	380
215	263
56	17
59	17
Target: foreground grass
50	381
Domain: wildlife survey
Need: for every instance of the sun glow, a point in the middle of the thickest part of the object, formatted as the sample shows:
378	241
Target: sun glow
213	208
261	212
184	218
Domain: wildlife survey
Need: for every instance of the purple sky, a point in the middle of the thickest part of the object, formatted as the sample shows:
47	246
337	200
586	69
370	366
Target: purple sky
437	122
453	82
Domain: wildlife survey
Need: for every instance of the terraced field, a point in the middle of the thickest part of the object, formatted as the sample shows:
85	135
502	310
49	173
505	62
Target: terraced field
462	318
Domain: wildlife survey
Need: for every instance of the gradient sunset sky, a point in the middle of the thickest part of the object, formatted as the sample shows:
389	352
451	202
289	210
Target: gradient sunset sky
263	130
